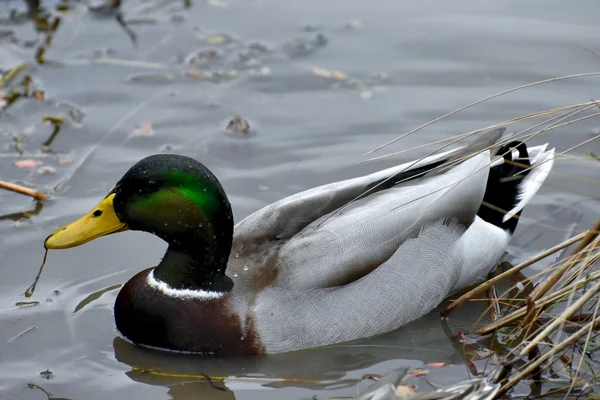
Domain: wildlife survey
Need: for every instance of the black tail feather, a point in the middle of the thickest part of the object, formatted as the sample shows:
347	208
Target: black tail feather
501	194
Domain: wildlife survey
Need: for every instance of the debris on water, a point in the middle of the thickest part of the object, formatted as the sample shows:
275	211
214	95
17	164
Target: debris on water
56	123
152	77
217	76
29	292
261	46
220	38
144	130
39	95
418	372
21	222
203	57
405	390
25	332
23	304
437	364
337	75
196	74
62	160
48	394
56	292
304	47
47	374
27	163
46	169
262	188
48	301
592	155
238	125
22	190
95	296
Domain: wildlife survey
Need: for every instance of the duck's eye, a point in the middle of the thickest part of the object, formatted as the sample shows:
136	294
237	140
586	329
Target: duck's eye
97	213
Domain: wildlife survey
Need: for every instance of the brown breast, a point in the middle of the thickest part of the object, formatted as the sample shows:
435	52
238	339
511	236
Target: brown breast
148	317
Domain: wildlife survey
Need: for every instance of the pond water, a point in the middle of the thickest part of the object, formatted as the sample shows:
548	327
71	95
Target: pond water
407	63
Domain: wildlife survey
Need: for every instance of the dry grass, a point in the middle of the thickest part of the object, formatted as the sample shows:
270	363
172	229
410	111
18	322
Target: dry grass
555	325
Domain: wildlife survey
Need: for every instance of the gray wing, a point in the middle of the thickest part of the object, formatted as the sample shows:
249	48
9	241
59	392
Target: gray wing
340	248
443	257
286	217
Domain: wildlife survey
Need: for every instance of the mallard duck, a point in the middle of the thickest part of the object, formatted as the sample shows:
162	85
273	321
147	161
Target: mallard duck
346	260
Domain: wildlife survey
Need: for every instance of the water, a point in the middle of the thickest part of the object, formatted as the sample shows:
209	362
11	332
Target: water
411	61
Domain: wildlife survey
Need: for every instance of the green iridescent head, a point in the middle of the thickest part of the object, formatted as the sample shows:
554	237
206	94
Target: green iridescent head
179	200
175	198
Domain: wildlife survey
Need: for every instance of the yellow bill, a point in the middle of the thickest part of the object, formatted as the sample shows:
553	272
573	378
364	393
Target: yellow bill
100	221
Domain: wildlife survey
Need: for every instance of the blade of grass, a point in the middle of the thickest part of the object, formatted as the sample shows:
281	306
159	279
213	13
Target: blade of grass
481	101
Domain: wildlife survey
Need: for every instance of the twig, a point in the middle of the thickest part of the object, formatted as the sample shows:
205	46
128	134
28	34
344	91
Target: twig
558	273
587	342
486	285
515	315
562	318
22	190
533	366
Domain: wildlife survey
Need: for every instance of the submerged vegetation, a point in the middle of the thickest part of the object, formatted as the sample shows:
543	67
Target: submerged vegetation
541	335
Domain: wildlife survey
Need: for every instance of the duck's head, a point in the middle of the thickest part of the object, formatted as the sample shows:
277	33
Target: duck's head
175	198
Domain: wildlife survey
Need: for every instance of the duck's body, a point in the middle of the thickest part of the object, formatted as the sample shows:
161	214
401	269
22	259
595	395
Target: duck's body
315	268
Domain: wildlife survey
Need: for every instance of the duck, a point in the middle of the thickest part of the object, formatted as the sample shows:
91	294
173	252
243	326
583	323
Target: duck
343	261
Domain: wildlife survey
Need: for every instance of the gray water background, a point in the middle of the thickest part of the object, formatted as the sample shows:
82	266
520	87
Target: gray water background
409	62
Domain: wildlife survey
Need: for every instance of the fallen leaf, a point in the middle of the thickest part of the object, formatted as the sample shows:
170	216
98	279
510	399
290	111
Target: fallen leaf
196	74
418	372
144	130
46	169
405	390
64	160
39	95
337	75
27	163
217	39
437	364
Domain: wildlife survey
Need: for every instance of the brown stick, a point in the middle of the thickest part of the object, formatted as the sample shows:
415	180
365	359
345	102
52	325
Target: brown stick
532	366
553	279
486	285
22	190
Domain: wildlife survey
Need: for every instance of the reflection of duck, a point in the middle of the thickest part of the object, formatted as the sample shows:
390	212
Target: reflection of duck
314	268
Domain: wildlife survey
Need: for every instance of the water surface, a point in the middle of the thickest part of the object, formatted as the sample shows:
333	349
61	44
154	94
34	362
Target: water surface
409	62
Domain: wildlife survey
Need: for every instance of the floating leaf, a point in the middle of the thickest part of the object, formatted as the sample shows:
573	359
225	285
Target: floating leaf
405	390
27	163
144	130
437	364
337	75
217	39
39	95
64	160
46	169
196	74
418	372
